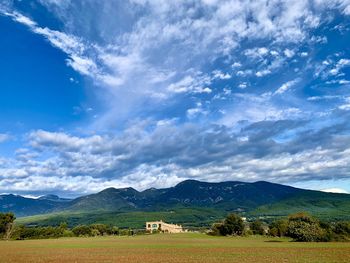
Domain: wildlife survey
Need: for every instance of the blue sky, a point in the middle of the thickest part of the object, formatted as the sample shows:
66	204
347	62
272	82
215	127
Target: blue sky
147	93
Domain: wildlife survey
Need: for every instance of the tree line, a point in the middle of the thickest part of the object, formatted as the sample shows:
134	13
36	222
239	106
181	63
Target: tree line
8	230
300	226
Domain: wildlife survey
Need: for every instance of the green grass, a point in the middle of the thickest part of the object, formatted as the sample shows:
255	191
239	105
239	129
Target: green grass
188	247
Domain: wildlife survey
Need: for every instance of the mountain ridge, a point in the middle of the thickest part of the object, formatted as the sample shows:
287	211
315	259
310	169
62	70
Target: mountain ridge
221	196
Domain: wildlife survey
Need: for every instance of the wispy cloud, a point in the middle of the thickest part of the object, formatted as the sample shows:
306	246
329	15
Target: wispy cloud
286	86
4	137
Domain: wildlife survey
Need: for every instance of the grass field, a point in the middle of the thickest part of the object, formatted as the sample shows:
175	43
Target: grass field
172	248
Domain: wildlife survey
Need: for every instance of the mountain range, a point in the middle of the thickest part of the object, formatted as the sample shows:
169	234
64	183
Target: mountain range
188	199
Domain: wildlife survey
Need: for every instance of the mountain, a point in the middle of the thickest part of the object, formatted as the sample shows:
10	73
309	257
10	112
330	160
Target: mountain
23	206
189	193
110	199
54	198
231	194
193	200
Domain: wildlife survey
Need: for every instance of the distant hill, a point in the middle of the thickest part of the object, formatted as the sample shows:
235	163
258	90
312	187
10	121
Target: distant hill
23	206
251	199
54	198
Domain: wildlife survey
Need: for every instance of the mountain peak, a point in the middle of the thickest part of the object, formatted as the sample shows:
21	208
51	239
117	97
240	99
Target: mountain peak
118	190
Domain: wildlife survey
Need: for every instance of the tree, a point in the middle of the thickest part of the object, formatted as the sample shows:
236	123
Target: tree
303	227
233	225
342	228
278	228
257	227
6	224
82	230
215	229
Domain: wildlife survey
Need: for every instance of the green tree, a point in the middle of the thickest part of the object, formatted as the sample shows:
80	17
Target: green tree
6	224
342	228
114	230
302	227
233	225
340	231
63	226
278	228
257	227
100	229
215	229
82	230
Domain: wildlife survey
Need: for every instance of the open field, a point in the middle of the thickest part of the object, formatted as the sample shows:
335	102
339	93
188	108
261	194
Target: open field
172	248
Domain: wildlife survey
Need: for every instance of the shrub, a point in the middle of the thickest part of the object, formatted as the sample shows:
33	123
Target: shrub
257	227
232	225
342	228
215	229
82	230
22	232
278	228
303	227
6	224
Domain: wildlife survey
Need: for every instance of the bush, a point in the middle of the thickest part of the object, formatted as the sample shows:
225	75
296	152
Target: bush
6	224
302	227
22	232
342	228
232	225
215	229
278	228
82	230
340	231
257	227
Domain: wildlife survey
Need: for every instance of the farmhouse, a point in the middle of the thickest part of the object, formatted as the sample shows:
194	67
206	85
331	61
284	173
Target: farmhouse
163	227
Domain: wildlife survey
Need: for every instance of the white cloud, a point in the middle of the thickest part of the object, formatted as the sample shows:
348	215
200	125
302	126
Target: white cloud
220	75
335	190
236	65
242	85
197	84
263	73
21	19
286	86
91	170
344	81
288	53
345	107
340	64
256	52
62	141
244	73
326	97
4	137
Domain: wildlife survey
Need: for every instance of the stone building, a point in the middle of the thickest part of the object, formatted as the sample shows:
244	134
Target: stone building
163	227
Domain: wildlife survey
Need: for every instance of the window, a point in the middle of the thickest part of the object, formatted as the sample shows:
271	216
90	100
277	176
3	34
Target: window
149	225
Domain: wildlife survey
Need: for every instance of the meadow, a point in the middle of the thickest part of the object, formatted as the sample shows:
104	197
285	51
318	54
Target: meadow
187	247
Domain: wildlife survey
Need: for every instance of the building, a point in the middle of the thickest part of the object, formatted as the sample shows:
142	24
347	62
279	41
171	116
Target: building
163	227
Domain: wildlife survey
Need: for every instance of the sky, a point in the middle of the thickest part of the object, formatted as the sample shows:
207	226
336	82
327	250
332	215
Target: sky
148	93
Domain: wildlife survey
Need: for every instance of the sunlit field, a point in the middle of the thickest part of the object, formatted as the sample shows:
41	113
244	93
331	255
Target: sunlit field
172	248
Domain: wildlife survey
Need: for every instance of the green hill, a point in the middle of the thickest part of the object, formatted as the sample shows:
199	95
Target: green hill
190	202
